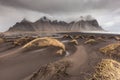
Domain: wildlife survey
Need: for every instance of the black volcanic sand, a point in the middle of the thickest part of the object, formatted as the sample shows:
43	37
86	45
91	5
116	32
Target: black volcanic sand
15	64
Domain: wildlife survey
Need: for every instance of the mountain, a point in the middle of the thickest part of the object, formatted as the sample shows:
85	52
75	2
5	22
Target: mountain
24	25
46	25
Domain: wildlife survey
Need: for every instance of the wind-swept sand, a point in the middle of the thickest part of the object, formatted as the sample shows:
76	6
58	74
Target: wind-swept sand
17	64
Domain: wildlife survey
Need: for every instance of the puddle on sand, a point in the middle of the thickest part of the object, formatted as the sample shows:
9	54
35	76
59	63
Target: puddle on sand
67	53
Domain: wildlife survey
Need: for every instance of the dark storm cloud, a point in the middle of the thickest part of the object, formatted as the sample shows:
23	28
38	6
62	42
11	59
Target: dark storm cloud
54	6
107	12
13	3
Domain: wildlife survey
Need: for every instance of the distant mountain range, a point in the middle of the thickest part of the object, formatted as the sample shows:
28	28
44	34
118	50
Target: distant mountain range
46	25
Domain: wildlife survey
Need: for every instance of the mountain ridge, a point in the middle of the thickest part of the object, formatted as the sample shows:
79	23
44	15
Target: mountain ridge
45	24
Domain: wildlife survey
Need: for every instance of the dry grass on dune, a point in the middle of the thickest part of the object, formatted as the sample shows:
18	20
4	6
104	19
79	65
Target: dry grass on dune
110	49
61	51
90	41
1	40
107	69
53	71
45	42
67	36
78	37
22	41
92	37
100	39
117	38
74	42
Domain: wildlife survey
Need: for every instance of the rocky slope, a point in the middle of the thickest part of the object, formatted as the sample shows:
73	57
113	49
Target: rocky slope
46	25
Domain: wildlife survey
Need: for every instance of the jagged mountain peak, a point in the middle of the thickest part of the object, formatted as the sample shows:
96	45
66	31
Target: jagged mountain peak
55	21
85	18
43	19
25	21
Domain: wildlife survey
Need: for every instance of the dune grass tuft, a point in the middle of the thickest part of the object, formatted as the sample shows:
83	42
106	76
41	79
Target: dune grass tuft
53	71
1	40
117	38
74	42
90	41
67	36
45	42
22	41
60	51
110	49
79	37
107	69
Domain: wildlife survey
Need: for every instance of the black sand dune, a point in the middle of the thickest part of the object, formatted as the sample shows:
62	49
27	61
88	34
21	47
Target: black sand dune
16	64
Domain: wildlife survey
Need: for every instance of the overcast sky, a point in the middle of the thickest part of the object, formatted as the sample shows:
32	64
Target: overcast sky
107	12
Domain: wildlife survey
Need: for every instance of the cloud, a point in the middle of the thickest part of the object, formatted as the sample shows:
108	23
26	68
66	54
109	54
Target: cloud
57	6
9	16
107	12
